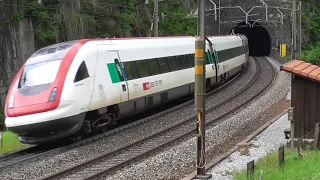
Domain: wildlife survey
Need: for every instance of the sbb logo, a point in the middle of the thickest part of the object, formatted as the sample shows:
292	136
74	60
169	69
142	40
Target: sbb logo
149	85
146	86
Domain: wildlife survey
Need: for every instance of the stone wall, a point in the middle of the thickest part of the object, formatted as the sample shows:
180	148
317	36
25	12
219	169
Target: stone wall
231	16
16	45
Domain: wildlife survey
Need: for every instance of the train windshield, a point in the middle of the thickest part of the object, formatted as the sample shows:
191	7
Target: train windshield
40	73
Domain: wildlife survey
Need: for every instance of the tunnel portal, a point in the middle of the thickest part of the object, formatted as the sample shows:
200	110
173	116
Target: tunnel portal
258	36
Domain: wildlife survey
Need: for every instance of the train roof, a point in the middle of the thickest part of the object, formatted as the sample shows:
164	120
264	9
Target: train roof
52	52
59	50
65	45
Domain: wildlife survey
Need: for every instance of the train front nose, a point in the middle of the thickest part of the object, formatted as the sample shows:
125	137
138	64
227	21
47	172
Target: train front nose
42	128
20	109
34	92
46	126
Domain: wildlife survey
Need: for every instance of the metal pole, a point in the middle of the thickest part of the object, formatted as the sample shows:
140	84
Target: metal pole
300	30
156	18
281	21
219	18
281	28
266	5
292	37
294	30
281	41
200	91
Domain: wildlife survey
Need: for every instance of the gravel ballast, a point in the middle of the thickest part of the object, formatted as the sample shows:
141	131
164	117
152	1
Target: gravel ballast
81	154
269	140
171	163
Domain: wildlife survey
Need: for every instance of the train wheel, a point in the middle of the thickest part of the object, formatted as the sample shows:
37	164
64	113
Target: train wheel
76	138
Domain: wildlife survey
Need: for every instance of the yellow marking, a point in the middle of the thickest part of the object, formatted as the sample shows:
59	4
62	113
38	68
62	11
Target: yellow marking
283	50
199	53
199	69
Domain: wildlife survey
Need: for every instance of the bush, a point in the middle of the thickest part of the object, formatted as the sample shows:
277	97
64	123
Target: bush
312	54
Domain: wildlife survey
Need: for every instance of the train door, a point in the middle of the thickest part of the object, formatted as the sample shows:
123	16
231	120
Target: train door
123	84
212	55
216	57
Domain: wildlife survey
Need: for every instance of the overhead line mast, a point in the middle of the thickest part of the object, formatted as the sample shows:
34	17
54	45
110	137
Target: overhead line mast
200	91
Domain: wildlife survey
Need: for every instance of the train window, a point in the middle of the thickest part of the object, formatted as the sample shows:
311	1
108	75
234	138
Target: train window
223	55
206	57
172	63
32	73
216	56
51	50
213	57
220	56
238	51
153	66
235	52
82	72
188	61
143	68
180	62
163	65
131	70
192	58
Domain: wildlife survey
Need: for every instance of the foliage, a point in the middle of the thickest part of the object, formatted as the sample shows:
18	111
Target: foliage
11	144
176	22
44	22
311	20
56	21
312	54
294	168
311	26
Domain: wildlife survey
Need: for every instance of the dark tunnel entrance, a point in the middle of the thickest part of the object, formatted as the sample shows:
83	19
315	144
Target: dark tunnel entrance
258	36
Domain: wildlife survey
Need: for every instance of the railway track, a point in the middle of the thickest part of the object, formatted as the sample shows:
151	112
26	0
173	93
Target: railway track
100	166
23	154
36	153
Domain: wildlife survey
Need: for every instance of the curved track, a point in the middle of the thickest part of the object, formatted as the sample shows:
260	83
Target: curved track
41	152
102	165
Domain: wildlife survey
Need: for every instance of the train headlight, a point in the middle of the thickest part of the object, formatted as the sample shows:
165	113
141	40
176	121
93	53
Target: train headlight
11	102
53	95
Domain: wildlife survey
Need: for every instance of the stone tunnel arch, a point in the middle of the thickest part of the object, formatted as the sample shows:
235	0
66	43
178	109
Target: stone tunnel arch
258	36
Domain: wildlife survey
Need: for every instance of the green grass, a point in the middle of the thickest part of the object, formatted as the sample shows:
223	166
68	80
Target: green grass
10	143
294	169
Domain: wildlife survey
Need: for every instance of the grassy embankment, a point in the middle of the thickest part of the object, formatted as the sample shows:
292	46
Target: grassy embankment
10	142
294	168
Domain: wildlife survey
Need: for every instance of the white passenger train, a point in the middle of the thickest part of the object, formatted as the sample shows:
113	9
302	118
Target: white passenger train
83	85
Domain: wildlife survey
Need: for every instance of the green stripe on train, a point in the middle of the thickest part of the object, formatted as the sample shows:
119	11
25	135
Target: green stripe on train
209	57
113	73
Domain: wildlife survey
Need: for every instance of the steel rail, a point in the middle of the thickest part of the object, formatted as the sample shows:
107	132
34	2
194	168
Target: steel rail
99	166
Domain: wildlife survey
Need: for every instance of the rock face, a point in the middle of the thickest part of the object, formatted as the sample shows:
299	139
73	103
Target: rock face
74	26
16	45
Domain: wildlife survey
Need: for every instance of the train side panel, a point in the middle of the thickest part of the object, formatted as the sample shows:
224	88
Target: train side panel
79	81
105	92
